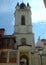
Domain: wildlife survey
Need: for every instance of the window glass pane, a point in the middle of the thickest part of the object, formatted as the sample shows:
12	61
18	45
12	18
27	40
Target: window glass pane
13	54
3	57
3	54
10	42
4	42
13	57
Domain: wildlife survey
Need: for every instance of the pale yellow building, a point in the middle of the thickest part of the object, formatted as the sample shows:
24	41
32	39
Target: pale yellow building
41	43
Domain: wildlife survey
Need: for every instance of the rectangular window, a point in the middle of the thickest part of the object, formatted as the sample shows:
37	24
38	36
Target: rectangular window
3	57
10	42
13	57
13	54
4	42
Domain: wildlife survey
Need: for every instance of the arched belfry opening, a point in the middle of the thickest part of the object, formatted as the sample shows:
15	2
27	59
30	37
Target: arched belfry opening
24	60
22	20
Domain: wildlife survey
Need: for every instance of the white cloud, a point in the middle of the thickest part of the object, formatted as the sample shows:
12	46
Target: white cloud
38	16
38	11
37	6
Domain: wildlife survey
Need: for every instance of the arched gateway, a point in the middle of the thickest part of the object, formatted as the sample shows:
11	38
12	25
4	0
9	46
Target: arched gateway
24	60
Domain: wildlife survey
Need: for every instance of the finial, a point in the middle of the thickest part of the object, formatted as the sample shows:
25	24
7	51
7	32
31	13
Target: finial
27	4
39	38
18	4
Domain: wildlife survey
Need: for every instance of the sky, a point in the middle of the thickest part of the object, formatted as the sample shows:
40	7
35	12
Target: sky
7	8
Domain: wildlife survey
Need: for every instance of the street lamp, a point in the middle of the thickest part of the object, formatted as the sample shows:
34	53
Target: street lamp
40	53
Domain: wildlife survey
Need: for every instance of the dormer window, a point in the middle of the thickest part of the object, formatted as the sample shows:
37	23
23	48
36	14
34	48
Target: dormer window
23	20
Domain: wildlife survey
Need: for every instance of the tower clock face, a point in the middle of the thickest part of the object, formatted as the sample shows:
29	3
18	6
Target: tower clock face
23	41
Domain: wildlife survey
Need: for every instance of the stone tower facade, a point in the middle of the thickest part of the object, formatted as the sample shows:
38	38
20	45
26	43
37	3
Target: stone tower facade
23	26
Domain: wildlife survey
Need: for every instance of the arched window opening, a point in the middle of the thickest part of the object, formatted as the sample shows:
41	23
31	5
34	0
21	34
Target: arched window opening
23	20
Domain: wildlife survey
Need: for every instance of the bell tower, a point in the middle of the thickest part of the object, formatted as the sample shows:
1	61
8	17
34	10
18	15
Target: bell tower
23	25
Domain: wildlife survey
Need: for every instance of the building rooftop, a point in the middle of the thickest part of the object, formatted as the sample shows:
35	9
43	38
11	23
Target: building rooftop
43	39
